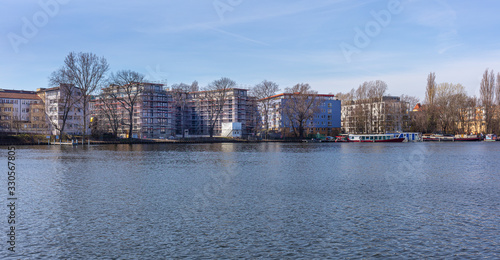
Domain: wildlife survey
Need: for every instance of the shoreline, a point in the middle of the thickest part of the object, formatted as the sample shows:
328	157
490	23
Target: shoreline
147	141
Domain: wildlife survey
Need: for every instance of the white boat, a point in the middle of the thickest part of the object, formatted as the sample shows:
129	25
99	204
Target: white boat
409	136
377	138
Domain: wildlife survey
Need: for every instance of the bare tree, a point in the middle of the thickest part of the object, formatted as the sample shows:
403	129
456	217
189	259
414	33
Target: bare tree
378	111
299	107
449	99
467	114
487	91
194	87
349	96
262	92
430	96
127	89
68	99
376	89
180	95
430	93
85	71
108	111
369	113
215	95
412	100
418	122
406	108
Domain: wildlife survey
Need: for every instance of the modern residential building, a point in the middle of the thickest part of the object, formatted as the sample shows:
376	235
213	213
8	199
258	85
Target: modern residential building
153	115
324	121
22	112
375	116
237	107
64	109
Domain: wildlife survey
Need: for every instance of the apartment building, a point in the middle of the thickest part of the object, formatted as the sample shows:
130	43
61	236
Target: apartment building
325	118
236	106
375	116
64	109
22	112
153	114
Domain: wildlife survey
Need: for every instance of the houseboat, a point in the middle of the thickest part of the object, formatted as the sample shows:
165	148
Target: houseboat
467	138
438	138
490	138
342	138
409	136
377	138
450	138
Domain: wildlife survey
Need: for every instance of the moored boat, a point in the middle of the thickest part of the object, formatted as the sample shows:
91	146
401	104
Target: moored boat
490	138
376	138
437	138
342	138
467	138
450	138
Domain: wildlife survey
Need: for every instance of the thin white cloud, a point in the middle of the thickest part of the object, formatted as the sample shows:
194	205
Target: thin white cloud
238	36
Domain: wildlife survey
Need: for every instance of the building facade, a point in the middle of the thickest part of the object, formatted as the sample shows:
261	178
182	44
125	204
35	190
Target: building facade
237	106
22	112
325	119
153	115
64	109
375	116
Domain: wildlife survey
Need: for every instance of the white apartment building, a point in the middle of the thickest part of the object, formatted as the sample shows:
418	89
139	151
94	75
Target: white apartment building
64	109
375	116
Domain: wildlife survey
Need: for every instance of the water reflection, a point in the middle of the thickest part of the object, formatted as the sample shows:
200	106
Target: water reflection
269	200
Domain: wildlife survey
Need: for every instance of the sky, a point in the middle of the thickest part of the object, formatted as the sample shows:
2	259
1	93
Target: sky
333	45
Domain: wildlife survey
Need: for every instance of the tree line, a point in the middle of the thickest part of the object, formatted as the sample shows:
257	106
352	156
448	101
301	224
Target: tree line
448	109
84	76
369	109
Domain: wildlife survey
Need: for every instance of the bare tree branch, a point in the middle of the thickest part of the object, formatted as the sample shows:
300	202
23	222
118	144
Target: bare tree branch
85	71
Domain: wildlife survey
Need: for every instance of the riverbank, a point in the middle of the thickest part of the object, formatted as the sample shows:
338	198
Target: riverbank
30	140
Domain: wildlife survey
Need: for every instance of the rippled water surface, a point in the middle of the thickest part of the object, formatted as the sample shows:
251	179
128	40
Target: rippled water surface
408	200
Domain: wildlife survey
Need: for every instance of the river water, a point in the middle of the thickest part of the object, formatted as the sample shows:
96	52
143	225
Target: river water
264	200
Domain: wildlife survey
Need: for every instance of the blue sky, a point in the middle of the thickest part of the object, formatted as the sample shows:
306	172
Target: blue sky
287	42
